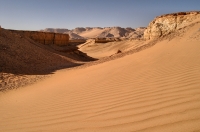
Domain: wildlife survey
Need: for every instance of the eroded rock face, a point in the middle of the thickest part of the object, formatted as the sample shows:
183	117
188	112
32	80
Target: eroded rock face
45	37
163	25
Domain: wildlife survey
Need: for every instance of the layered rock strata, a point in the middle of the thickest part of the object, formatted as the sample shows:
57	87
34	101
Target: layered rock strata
45	37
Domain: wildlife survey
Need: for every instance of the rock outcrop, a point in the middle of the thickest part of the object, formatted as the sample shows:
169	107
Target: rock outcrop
106	40
45	37
77	41
164	24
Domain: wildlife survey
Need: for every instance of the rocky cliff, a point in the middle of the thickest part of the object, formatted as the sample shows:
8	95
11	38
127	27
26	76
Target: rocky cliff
163	25
45	37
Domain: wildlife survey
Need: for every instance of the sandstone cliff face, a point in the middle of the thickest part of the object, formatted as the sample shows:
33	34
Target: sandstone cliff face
45	37
165	24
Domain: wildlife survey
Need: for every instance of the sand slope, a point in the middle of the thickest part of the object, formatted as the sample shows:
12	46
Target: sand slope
156	89
22	59
101	50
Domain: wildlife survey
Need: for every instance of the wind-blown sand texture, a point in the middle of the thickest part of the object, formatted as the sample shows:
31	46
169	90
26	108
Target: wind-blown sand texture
156	89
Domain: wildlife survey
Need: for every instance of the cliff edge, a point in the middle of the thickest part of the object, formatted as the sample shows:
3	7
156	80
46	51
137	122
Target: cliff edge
44	37
164	24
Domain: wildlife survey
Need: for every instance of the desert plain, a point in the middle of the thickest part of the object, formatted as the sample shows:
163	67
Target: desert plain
149	83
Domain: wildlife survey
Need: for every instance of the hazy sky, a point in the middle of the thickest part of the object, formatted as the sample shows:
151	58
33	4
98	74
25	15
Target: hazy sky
40	14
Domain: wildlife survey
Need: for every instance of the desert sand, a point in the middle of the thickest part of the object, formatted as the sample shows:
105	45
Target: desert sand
102	50
151	89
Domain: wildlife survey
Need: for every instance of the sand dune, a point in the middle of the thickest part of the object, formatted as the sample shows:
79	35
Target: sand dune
156	89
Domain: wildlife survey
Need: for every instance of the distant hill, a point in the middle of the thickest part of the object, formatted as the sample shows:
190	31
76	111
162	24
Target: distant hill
98	32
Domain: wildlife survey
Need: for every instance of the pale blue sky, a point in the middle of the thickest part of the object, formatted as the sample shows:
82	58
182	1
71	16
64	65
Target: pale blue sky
40	14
